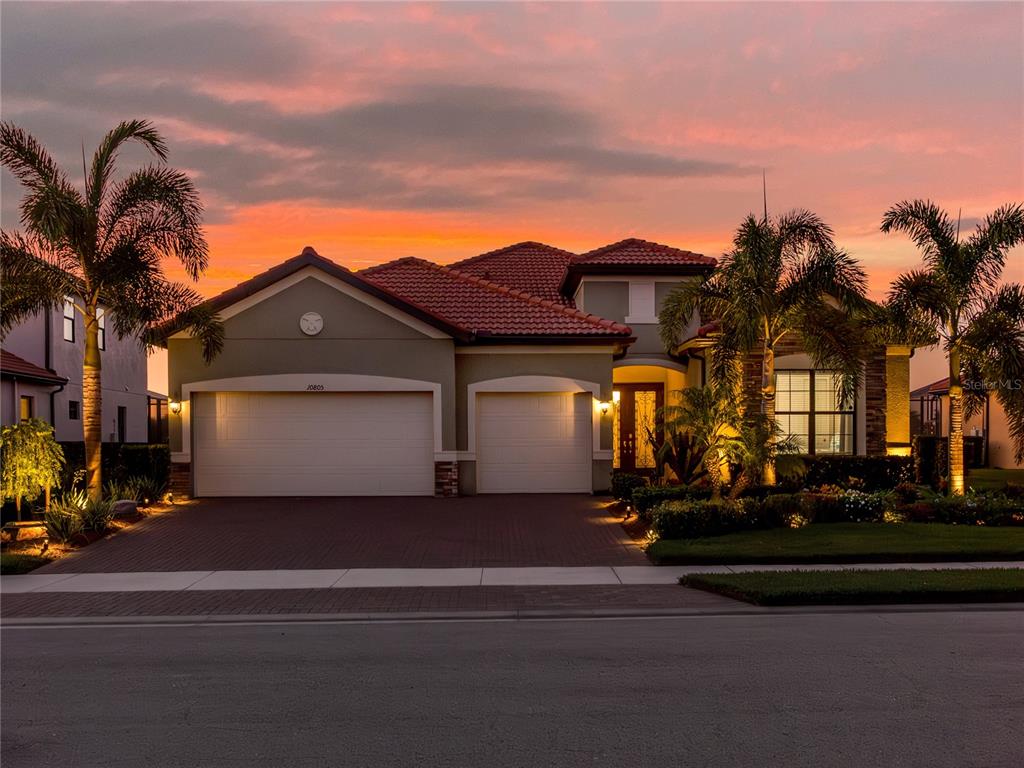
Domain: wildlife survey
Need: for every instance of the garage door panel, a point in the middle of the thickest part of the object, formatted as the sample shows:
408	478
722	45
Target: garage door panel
315	444
537	442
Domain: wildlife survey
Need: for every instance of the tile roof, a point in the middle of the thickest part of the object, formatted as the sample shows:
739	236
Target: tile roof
485	307
12	366
940	387
633	251
535	268
310	258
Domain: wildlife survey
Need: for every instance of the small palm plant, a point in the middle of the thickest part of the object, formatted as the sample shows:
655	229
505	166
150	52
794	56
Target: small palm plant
979	319
710	416
103	246
783	276
760	443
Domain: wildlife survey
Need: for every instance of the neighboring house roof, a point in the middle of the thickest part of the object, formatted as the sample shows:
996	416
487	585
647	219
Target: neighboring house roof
14	367
940	387
487	308
635	256
535	268
310	258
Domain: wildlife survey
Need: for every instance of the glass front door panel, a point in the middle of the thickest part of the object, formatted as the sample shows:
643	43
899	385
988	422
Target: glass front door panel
645	405
635	422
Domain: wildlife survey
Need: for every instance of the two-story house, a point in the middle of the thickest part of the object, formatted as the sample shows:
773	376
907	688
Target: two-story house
41	376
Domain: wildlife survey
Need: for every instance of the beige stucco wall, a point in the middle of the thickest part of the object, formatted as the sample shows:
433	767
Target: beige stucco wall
473	367
357	339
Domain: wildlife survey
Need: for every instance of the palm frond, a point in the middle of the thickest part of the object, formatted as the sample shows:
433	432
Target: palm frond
104	159
985	251
677	310
923	293
932	231
32	279
52	207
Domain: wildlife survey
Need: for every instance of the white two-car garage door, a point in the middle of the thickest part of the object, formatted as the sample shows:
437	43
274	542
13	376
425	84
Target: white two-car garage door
313	444
534	442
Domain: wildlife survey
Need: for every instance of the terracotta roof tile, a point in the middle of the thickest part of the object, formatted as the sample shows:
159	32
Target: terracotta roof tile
485	307
533	267
633	251
13	366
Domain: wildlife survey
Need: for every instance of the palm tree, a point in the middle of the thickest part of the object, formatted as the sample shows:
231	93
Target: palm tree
710	416
980	322
102	247
782	277
760	443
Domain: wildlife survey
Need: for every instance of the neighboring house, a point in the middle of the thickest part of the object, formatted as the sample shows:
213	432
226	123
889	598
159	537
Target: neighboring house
525	369
41	373
986	434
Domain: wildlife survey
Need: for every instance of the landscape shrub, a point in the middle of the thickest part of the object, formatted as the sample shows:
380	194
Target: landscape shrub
973	509
147	490
868	473
62	524
121	461
647	498
624	483
93	515
695	518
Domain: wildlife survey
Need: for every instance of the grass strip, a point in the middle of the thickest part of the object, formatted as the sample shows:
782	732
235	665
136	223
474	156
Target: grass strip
14	563
846	543
983	585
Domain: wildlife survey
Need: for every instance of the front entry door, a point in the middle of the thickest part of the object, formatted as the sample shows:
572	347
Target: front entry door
636	419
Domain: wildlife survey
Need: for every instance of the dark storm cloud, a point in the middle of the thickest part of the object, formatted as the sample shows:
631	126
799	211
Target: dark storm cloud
72	74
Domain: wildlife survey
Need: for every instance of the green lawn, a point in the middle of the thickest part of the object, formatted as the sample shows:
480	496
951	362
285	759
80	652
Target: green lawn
12	563
866	587
993	479
847	543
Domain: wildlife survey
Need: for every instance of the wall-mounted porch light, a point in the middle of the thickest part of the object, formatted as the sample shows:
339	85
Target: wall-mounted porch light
174	406
604	407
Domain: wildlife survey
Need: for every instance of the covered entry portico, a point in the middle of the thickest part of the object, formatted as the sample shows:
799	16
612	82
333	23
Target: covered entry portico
641	386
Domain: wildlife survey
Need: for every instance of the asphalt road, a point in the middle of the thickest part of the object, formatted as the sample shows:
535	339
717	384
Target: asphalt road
865	689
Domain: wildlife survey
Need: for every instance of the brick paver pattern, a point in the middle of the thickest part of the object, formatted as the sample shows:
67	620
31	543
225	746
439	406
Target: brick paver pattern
313	533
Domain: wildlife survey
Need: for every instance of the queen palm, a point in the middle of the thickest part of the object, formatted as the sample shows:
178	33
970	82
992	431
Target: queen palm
979	320
103	248
783	276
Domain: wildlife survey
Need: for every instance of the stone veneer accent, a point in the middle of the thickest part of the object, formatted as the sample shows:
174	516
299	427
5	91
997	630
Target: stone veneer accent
875	403
446	478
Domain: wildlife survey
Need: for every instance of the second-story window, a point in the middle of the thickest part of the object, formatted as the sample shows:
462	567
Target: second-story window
101	322
69	320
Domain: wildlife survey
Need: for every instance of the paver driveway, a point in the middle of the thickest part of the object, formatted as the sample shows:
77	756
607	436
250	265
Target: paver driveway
288	533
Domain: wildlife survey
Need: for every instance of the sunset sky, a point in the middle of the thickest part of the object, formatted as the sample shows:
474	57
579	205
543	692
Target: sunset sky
374	131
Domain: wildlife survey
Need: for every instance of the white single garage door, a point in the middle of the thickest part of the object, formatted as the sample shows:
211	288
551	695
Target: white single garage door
313	444
534	442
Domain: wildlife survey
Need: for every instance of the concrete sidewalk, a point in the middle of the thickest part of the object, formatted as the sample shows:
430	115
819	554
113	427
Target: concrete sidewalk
363	578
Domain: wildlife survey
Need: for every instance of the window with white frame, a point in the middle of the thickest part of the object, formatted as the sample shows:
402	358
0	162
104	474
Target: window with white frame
810	408
69	320
101	324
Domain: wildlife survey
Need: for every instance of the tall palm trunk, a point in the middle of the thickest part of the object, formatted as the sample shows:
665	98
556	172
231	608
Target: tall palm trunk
92	407
768	403
956	426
